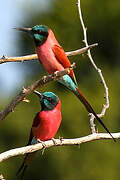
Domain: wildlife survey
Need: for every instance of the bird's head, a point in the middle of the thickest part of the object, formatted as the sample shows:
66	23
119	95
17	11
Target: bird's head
48	100
38	32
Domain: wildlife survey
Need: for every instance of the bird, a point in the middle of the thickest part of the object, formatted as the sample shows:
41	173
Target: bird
53	58
45	124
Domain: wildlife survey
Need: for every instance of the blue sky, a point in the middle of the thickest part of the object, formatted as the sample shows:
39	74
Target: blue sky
12	13
9	18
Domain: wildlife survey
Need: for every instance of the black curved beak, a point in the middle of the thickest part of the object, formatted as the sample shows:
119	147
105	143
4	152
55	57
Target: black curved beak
28	30
40	95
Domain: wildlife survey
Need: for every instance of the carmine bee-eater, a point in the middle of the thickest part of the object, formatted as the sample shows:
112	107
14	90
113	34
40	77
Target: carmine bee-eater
53	58
45	125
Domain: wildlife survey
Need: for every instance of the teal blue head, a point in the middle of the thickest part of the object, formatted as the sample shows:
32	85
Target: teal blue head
48	100
38	32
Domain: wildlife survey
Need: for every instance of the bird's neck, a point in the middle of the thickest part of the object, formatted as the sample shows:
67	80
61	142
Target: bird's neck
53	107
50	41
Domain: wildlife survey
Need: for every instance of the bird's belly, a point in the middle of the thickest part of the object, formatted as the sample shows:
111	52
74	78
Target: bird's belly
48	126
48	60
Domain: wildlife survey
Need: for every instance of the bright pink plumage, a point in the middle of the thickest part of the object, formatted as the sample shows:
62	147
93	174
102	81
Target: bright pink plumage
46	124
52	55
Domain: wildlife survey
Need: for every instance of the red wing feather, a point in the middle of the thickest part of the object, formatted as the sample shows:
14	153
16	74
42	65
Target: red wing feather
63	59
36	122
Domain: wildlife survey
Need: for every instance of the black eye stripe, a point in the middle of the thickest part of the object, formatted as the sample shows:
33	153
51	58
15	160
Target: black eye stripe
39	31
48	98
42	32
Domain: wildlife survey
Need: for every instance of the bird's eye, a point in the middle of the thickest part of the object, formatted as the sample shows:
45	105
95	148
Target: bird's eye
49	99
39	31
43	33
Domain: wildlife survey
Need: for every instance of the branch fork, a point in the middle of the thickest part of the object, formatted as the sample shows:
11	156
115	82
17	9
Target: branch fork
106	106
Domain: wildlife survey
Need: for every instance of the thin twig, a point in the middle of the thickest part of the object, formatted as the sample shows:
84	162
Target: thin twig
81	51
6	59
21	96
58	142
97	69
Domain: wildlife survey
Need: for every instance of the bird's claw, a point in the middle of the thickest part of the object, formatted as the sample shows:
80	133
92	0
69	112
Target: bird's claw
54	141
61	139
43	144
56	73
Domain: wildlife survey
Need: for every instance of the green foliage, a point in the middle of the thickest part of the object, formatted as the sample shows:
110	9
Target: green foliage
91	161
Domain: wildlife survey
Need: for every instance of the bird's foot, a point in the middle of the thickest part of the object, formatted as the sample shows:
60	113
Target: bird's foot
61	139
56	73
43	144
54	141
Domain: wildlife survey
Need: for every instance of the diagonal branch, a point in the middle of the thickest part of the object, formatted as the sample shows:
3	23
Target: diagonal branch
97	69
58	142
21	96
6	59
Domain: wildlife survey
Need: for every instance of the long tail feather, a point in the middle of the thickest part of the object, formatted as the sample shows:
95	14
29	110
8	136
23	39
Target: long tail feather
68	82
21	170
27	160
90	110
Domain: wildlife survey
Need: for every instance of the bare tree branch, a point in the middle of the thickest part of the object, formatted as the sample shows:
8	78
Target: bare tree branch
21	96
97	69
6	59
81	51
58	142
